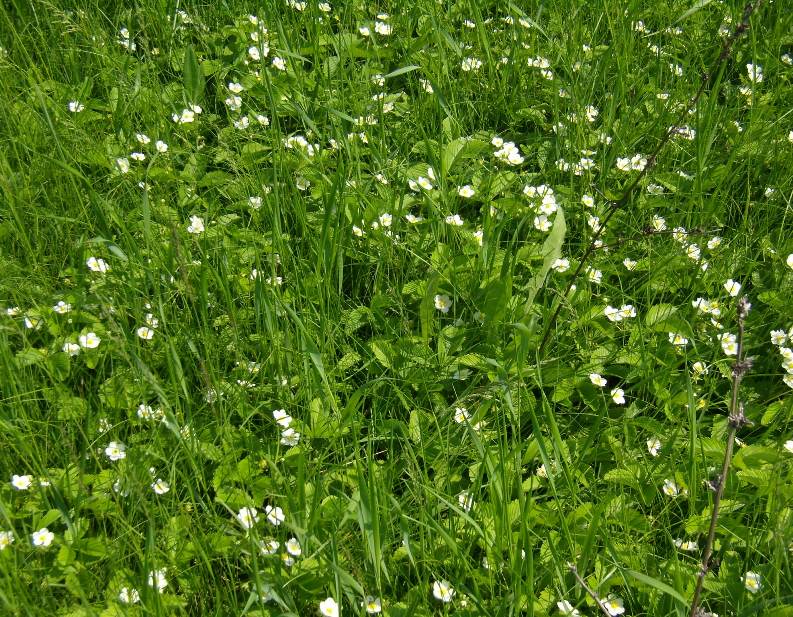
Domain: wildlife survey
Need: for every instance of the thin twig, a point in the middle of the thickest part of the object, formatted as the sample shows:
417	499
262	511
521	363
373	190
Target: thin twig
726	50
592	594
737	419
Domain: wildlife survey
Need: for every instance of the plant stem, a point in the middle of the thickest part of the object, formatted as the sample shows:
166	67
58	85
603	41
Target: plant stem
586	588
737	419
726	50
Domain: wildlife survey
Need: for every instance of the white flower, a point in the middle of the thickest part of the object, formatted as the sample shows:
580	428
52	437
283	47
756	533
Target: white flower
160	486
658	223
145	333
62	308
254	54
413	219
382	28
269	547
677	339
72	349
89	340
157	579
754	72
443	303
597	380
699	368
612	314
122	164
729	343
751	580
714	243
443	591
196	225
733	287
471	64
6	539
293	547
588	201
76	107
373	605
329	608
542	223
43	537
789	445
778	337
670	488
282	418
629	263
116	451
161	146
275	515
618	396
688	545
565	608
385	220
789	261
247	517
137	156
613	605
424	183
289	437
594	276
21	483
128	596
466	191
653	446
454	220
561	264
466	501
279	63
461	415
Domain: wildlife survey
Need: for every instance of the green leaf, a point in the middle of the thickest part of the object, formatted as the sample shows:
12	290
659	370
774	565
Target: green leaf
192	76
551	251
658	314
402	71
655	583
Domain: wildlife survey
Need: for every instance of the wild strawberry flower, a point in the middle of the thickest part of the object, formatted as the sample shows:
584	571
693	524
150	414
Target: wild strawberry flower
443	303
160	486
196	225
670	488
614	606
653	446
372	605
733	287
597	380
247	517
89	340
275	515
443	591
21	483
42	538
97	265
752	581
6	539
466	501
618	396
565	608
116	451
329	608
127	595
158	579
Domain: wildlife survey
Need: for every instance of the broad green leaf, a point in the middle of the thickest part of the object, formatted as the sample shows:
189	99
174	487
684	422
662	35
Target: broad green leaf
193	78
551	251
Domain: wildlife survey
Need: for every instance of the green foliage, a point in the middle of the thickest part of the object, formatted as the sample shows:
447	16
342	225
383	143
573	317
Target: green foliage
302	263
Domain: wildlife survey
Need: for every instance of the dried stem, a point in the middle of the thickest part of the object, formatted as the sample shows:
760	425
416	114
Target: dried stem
737	419
614	206
587	588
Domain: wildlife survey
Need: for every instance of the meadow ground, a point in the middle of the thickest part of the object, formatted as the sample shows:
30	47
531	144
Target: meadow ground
399	308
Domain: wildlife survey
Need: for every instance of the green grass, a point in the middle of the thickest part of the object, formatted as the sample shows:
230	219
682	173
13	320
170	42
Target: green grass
350	342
